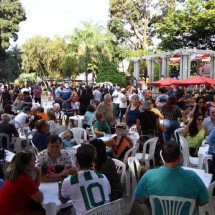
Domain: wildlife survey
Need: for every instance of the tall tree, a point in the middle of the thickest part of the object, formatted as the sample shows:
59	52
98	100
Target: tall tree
11	14
189	26
133	21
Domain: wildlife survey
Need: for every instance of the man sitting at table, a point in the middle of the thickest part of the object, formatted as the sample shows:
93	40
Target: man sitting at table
86	189
22	116
31	120
7	128
55	163
171	180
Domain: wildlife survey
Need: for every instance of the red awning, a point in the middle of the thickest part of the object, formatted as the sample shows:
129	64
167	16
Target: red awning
167	82
198	80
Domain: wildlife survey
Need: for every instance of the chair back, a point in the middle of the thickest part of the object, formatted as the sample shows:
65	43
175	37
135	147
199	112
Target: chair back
120	166
61	135
171	205
152	145
135	168
72	153
130	153
112	208
5	137
177	133
59	130
79	134
184	150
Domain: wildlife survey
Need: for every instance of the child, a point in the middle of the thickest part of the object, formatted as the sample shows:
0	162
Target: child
68	140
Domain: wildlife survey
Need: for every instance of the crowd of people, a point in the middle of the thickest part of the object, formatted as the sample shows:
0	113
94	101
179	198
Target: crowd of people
103	108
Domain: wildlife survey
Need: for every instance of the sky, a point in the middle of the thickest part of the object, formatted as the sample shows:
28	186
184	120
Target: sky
60	17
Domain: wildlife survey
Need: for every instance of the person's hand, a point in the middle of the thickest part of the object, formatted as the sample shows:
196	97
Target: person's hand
195	104
69	170
37	171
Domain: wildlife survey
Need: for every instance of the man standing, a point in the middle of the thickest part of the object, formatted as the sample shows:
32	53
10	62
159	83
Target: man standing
106	107
55	163
210	120
37	93
116	101
171	180
5	97
27	100
86	189
97	94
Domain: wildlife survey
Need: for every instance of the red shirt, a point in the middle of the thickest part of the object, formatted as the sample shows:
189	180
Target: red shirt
15	195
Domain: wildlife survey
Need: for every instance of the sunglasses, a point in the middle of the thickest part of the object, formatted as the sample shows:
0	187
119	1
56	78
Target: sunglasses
200	119
200	102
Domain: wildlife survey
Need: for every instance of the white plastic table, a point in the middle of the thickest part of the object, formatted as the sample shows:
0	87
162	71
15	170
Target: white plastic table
206	177
78	118
51	203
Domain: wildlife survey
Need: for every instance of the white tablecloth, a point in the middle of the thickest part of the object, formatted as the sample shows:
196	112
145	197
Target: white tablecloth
50	192
78	118
206	177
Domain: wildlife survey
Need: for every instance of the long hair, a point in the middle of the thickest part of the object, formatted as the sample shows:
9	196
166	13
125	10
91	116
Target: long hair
18	165
193	130
197	108
171	101
100	151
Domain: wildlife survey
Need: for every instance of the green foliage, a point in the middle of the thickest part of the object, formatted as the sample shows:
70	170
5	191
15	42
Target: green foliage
133	22
11	14
110	73
190	26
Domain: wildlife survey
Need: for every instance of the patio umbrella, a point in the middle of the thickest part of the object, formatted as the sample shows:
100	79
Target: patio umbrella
196	80
166	82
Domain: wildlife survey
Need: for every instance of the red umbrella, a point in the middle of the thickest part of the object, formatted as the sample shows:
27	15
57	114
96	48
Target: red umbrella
166	82
198	80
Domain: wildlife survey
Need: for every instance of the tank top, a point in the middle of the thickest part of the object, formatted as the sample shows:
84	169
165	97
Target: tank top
132	115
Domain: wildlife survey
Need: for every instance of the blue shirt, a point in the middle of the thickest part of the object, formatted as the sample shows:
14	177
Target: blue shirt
211	142
66	94
176	181
208	122
68	143
89	116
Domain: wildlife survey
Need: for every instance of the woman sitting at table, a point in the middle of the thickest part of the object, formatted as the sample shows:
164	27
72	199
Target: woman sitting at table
106	166
100	126
195	132
21	186
18	103
40	137
52	121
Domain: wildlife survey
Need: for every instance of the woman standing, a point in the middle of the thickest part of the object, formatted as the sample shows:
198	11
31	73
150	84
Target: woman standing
132	111
195	133
171	113
154	108
20	188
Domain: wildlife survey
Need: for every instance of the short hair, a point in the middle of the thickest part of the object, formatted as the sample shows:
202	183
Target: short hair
170	151
51	115
90	108
99	115
56	105
106	96
39	124
134	97
85	155
162	90
53	139
40	108
5	116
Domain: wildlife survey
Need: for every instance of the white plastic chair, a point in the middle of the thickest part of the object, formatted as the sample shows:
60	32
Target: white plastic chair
59	130
187	159
205	163
61	135
146	157
171	204
7	138
112	208
135	171
177	133
72	152
209	208
120	166
130	153
79	134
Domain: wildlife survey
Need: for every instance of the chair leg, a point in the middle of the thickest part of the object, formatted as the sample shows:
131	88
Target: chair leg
127	180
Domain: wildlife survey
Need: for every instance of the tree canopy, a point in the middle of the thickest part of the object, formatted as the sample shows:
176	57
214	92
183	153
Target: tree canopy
11	14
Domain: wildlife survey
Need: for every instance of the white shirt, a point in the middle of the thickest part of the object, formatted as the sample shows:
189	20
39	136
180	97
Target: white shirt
122	104
87	190
116	100
21	118
97	95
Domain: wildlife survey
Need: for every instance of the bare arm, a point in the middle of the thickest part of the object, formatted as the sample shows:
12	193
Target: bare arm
38	196
138	126
186	131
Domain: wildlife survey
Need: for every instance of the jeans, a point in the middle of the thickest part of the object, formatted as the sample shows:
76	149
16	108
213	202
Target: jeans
170	126
116	110
122	112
